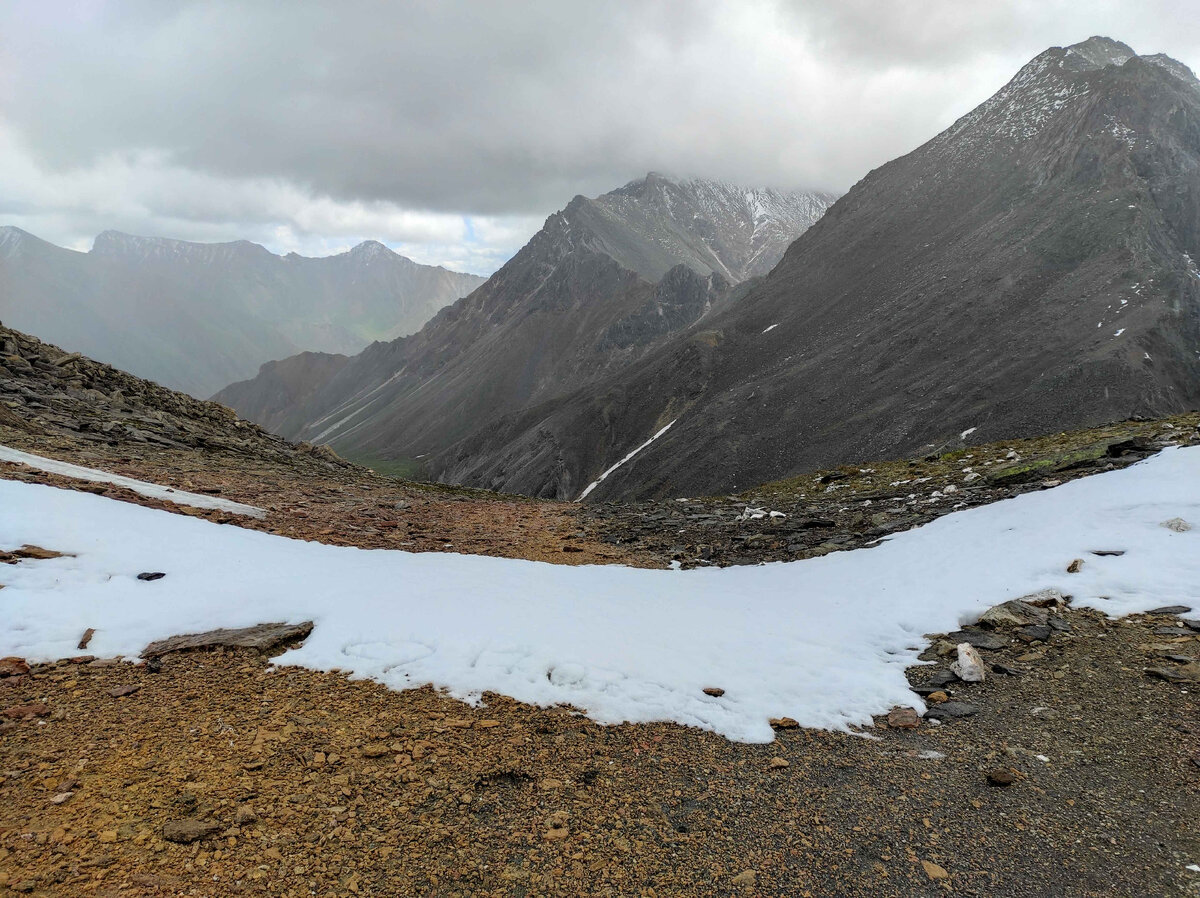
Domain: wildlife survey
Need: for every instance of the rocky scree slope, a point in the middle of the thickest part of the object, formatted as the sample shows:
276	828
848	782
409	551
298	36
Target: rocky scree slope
197	316
1031	269
604	281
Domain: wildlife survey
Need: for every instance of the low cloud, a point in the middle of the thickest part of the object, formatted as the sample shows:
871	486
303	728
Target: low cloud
453	128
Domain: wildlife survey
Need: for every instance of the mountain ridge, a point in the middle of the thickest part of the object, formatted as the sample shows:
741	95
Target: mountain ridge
195	316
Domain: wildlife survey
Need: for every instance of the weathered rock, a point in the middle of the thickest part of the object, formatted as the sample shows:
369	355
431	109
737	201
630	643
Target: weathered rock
947	710
980	639
1075	566
746	879
190	829
13	667
151	575
783	723
262	638
934	871
27	711
1036	633
1179	525
938	697
1046	598
1002	776
778	763
1015	613
969	667
121	691
86	638
1185	673
903	718
244	815
1170	609
714	691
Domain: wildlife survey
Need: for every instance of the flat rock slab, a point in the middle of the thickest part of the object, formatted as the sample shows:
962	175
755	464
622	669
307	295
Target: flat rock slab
979	639
1170	609
261	637
946	710
189	830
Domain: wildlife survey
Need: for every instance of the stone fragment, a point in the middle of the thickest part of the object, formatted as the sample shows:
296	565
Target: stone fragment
61	797
714	691
778	763
1013	614
1184	673
556	827
190	829
1001	776
1075	566
376	750
86	638
746	879
783	723
1046	598
980	639
262	638
27	712
935	871
1179	525
121	691
947	710
151	575
1170	609
969	667
244	815
13	667
938	697
903	718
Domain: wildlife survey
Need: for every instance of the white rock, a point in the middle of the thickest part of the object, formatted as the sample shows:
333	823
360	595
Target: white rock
969	667
1179	525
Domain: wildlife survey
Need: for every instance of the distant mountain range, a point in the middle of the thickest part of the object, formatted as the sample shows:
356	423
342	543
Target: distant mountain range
196	316
603	283
1030	269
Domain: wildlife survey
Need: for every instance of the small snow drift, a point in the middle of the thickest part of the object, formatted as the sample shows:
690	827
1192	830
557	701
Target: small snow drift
141	487
823	641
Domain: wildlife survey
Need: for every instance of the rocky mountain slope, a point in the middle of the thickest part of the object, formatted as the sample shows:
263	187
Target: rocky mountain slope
197	316
603	282
1030	269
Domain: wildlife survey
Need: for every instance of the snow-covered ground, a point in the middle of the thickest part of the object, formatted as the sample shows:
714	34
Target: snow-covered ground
141	487
825	640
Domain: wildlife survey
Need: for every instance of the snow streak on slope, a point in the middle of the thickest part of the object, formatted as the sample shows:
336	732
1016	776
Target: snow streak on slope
825	640
595	483
141	487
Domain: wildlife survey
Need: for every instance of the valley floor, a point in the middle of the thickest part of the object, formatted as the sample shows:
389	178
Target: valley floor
317	784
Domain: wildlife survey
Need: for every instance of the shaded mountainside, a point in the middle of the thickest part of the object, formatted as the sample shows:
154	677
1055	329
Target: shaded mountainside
1029	270
603	282
196	316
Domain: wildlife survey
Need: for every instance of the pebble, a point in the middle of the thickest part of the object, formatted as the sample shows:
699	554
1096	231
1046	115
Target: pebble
1179	525
714	691
1002	776
784	723
778	763
1075	566
149	575
188	830
1170	609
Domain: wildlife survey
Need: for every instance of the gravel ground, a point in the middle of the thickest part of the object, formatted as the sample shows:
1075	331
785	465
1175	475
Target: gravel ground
314	784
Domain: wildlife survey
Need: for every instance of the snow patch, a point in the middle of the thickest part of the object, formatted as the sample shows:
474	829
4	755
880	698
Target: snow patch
141	487
825	640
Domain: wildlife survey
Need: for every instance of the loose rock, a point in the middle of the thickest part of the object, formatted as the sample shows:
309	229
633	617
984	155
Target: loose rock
969	667
189	830
903	718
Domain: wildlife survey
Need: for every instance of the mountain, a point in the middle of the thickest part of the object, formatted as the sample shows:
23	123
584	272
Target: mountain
602	283
1031	268
195	316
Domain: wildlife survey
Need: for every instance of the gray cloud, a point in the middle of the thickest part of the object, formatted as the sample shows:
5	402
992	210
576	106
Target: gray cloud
395	120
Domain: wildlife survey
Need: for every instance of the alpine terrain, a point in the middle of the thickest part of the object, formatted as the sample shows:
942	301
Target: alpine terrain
196	316
604	282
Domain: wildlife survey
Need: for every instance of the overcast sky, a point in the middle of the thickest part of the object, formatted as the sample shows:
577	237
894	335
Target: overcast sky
449	130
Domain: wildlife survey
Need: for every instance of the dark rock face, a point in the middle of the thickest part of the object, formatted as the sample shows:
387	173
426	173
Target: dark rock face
605	281
1029	270
197	316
